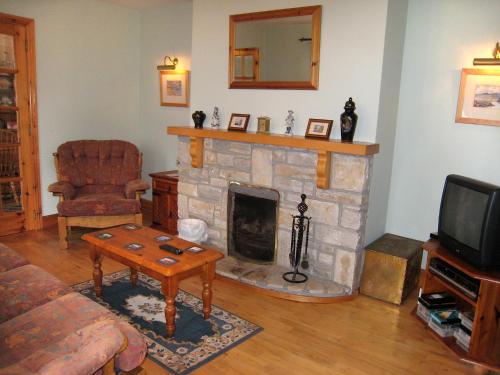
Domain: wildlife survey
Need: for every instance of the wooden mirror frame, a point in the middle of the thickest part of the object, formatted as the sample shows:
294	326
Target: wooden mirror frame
313	83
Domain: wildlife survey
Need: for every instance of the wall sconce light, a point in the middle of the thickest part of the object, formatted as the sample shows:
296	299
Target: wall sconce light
166	66
494	61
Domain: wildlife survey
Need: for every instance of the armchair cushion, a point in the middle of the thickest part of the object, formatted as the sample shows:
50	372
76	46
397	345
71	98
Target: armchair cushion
99	204
64	188
133	186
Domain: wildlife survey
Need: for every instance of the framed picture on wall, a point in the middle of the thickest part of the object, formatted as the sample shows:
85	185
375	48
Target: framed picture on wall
174	88
238	122
319	128
479	97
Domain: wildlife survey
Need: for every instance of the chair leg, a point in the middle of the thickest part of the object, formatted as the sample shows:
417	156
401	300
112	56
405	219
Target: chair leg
63	232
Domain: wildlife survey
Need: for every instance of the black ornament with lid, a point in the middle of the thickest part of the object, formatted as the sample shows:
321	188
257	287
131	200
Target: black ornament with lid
348	121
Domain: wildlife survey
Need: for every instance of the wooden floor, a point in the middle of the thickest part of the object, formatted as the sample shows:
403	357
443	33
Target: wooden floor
363	336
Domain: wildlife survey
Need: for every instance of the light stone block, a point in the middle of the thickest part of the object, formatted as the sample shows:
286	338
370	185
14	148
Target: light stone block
345	263
279	156
307	159
244	164
284	238
323	212
351	219
240	148
209	144
213	235
309	188
352	199
183	153
225	160
201	209
233	175
349	173
218	182
325	259
210	157
288	184
337	236
182	206
187	189
286	170
285	217
262	167
209	192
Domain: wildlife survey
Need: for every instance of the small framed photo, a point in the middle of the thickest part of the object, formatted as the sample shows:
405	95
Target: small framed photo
163	238
134	246
319	128
174	88
104	236
479	97
167	261
131	227
238	122
195	249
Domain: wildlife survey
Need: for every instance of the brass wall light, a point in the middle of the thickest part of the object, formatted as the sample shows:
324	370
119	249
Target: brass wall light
494	61
166	66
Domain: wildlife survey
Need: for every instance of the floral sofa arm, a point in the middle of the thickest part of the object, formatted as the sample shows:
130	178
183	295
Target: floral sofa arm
62	188
135	187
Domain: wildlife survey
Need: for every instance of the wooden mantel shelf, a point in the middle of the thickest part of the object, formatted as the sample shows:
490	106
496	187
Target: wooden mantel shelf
324	148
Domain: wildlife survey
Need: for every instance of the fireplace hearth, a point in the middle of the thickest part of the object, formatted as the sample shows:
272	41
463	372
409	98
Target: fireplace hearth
252	218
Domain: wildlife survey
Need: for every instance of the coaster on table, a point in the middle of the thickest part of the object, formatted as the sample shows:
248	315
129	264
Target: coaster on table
131	226
195	249
134	246
163	238
167	261
104	236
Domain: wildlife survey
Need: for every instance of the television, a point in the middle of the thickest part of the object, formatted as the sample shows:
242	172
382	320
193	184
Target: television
469	221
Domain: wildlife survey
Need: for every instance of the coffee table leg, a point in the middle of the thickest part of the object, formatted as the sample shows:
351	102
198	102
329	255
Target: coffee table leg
133	276
96	257
170	287
207	277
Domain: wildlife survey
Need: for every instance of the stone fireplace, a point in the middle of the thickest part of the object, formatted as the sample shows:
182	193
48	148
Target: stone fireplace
338	212
252	217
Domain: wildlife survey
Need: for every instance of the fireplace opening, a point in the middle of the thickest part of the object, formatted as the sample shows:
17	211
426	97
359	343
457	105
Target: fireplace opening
252	217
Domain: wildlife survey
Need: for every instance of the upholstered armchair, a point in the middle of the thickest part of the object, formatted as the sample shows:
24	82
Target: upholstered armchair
98	185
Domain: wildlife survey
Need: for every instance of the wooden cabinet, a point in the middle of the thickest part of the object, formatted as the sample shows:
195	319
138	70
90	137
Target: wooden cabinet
165	200
484	348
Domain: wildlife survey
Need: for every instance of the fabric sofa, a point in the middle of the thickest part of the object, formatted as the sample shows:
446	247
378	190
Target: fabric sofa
45	328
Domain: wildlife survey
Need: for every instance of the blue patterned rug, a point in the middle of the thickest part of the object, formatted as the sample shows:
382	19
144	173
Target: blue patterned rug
196	341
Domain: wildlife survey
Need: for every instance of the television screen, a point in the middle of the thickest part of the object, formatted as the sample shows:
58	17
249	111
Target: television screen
463	214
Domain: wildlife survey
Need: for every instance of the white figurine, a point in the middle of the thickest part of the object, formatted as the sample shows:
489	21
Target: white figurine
215	122
289	123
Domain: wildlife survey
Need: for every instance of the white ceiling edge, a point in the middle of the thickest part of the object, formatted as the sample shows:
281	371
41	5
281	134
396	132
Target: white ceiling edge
145	4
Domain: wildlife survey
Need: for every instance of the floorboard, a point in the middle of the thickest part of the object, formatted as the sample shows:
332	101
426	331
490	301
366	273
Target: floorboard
363	336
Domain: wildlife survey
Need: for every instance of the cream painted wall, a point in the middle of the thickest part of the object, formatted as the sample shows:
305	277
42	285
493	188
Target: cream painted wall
442	37
164	31
87	72
352	45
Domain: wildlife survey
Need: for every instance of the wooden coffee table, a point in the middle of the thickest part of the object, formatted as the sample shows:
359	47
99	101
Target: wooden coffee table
145	260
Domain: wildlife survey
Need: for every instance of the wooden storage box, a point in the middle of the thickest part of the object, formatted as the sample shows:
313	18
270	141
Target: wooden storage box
165	200
392	267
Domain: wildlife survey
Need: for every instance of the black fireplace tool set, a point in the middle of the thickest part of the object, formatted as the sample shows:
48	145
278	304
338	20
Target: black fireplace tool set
300	225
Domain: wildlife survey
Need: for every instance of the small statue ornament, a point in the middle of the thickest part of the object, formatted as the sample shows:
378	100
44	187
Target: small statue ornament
215	122
198	118
289	123
348	121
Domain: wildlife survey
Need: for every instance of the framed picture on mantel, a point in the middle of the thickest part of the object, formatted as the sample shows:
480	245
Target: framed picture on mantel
479	97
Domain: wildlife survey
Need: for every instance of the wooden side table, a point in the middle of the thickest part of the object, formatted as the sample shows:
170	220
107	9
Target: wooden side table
165	200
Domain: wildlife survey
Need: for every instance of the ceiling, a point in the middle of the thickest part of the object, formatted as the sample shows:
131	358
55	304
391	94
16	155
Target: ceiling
145	4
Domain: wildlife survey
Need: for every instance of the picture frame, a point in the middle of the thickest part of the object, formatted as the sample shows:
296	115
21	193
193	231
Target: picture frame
319	128
174	88
479	97
238	122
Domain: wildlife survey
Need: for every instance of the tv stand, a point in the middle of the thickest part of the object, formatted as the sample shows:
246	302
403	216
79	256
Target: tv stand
484	350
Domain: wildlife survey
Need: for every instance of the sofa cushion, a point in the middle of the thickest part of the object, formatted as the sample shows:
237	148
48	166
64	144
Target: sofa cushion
50	323
82	352
92	162
9	259
102	204
26	287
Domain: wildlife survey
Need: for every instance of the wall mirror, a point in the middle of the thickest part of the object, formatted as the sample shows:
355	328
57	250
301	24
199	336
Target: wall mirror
276	49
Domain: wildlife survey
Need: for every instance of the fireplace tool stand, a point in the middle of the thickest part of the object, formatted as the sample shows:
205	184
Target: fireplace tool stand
300	224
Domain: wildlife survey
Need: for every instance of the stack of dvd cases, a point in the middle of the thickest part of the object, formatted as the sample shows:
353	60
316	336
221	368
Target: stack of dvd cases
430	302
445	322
464	331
